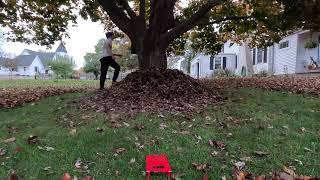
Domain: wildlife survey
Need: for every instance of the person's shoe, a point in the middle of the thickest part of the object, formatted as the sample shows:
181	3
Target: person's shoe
114	83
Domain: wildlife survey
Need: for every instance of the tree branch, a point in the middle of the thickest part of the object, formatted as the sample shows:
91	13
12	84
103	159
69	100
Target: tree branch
128	9
118	16
192	21
223	19
143	8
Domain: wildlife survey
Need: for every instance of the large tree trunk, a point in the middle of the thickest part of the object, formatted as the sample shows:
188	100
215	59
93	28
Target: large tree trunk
152	57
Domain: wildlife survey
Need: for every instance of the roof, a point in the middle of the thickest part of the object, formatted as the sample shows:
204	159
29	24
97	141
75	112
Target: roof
43	56
25	60
61	48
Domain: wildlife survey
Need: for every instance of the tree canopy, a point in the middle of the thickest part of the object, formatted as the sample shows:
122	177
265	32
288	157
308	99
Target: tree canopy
156	27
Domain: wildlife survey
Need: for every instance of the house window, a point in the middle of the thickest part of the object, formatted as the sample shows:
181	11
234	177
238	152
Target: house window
265	55
24	68
217	63
254	56
211	62
284	44
224	64
36	69
236	62
259	56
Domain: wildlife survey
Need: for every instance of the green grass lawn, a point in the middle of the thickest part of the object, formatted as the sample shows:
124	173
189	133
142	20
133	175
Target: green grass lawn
44	83
267	121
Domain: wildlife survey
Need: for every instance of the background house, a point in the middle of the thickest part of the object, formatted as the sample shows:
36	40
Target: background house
289	56
30	63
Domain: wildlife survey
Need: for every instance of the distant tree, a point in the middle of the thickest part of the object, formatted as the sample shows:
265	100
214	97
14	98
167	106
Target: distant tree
10	64
62	66
91	60
92	64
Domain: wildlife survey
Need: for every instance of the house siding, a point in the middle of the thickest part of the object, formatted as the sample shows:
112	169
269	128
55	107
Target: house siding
204	61
285	59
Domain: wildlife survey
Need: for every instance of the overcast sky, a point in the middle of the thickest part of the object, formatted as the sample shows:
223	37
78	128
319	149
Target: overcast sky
82	39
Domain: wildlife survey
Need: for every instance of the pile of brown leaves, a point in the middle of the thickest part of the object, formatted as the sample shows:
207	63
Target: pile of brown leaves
153	91
13	97
309	85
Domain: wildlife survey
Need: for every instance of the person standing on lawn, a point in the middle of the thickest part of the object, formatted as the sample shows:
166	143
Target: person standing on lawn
108	59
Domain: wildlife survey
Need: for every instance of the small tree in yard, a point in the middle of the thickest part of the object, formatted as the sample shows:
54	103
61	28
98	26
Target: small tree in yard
10	64
153	26
62	67
92	64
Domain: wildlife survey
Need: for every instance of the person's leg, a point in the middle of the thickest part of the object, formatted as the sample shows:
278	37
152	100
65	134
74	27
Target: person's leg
116	68
104	70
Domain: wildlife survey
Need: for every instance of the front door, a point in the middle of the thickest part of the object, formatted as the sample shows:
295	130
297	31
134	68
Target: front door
224	63
198	70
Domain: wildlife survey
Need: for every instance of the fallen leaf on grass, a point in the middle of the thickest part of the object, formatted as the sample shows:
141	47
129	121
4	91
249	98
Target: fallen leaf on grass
223	177
73	132
98	129
241	175
202	167
2	152
184	132
120	150
302	130
139	127
47	168
117	125
66	176
17	150
285	127
214	153
239	165
246	159
117	173
88	178
13	176
217	144
205	176
289	171
260	178
307	149
133	160
126	124
83	165
33	139
12	130
162	126
140	146
10	140
261	153
176	176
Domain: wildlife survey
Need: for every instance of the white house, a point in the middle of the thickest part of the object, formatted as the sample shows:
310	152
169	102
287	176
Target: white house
30	63
179	63
289	56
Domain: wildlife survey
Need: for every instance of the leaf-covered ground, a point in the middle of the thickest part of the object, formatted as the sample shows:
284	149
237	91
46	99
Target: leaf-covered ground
18	92
265	130
295	84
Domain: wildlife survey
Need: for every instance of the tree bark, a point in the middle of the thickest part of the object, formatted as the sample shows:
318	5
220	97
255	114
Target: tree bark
152	53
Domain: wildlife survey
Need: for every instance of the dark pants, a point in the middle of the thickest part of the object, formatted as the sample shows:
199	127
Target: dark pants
105	63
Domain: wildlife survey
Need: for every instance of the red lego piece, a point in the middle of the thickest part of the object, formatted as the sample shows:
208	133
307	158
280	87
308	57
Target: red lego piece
158	164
